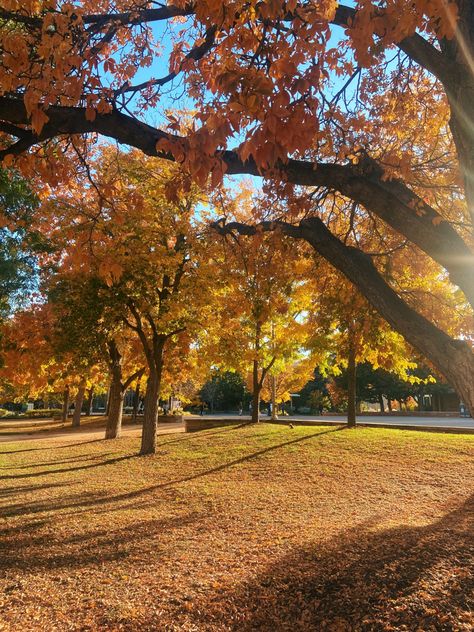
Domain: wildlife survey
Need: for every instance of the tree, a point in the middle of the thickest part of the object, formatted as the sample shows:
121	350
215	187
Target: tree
262	328
225	390
353	340
33	366
350	118
150	255
18	245
87	324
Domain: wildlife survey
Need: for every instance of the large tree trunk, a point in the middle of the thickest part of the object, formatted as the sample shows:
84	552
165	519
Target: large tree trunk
116	392
76	418
351	387
150	419
113	429
65	404
459	85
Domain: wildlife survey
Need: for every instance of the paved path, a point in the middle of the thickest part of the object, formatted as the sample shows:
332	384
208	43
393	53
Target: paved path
80	435
389	420
30	429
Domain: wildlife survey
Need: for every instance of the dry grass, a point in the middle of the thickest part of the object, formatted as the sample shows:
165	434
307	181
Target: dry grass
246	528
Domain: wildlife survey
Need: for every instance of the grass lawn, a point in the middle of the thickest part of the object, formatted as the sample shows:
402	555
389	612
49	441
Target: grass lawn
245	528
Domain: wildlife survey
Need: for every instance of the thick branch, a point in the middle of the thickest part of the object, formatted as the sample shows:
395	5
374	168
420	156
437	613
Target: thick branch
391	200
432	342
415	46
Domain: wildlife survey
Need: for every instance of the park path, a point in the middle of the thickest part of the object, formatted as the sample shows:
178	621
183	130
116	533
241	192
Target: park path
31	431
82	434
442	423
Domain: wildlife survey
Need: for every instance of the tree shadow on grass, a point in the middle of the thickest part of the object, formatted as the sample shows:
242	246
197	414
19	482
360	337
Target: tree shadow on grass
71	459
68	469
23	548
228	464
14	491
404	578
111	502
48	447
198	434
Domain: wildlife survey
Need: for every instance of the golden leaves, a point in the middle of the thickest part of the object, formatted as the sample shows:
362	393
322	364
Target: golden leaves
111	271
38	120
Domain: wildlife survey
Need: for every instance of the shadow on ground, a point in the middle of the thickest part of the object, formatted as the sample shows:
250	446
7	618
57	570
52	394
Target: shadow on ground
408	578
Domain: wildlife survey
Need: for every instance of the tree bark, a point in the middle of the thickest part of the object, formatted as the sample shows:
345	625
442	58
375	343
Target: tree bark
453	358
107	403
150	419
90	398
381	404
351	387
113	429
255	394
274	408
65	404
136	401
76	418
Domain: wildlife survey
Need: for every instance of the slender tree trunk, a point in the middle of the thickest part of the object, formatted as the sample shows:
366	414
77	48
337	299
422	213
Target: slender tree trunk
136	401
255	394
274	410
76	419
114	418
382	407
255	379
150	420
90	398
351	387
389	404
65	404
107	405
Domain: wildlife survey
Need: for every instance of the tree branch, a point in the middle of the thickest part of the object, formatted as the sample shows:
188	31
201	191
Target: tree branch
391	200
415	46
359	269
129	380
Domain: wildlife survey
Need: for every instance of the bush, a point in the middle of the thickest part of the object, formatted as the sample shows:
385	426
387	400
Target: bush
4	414
38	413
41	412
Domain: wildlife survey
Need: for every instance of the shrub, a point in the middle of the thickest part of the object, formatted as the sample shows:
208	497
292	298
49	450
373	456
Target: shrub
38	413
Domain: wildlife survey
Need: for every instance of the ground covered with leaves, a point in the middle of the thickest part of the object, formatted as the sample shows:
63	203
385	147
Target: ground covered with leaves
244	528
